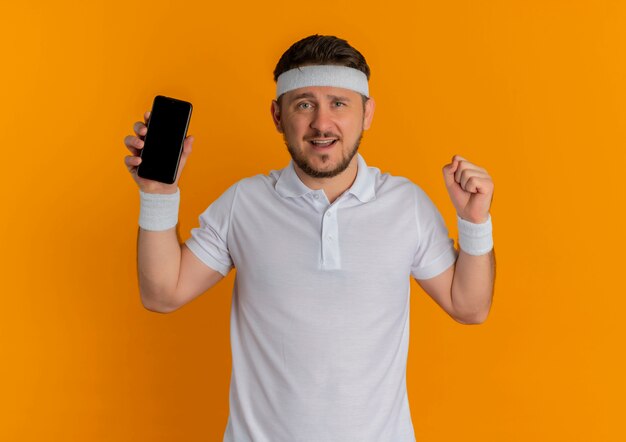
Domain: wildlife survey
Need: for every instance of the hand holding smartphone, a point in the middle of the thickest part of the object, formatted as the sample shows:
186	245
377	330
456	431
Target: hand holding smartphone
135	144
164	138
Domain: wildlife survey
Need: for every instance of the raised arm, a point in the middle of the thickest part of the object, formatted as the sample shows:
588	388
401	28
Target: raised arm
465	290
169	274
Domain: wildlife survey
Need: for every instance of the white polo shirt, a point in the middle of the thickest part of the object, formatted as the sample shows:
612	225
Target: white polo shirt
320	309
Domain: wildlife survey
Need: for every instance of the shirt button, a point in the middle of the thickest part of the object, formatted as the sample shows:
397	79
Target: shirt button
329	214
316	196
330	237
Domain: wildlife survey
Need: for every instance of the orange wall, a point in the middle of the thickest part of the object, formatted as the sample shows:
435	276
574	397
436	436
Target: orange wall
532	90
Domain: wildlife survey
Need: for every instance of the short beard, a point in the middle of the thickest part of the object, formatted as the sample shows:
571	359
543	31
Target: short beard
314	173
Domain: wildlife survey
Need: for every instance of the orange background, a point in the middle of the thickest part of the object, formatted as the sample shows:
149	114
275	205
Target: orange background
532	90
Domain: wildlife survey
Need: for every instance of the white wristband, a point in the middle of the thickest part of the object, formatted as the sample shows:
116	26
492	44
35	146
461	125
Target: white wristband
158	211
475	239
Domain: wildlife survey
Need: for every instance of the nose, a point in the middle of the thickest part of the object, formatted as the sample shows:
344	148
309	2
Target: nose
322	120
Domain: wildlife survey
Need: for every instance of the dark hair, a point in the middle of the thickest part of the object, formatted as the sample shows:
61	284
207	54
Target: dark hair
321	49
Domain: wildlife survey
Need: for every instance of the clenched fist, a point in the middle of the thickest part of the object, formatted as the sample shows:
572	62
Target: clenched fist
470	188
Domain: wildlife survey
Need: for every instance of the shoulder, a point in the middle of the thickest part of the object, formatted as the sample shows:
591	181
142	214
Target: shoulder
256	184
399	190
387	184
260	187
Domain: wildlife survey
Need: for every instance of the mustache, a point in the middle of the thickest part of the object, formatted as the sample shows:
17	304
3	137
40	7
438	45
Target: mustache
322	135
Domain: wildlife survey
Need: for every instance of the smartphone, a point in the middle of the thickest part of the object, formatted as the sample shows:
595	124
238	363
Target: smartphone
163	142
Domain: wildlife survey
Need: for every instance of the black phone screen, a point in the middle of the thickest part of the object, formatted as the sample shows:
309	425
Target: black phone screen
163	142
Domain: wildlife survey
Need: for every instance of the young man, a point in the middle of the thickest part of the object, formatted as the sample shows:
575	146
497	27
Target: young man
324	251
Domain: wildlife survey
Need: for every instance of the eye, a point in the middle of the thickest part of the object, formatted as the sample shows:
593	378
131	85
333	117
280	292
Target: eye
340	103
304	103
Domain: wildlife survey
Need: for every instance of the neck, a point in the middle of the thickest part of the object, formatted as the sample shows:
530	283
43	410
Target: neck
333	187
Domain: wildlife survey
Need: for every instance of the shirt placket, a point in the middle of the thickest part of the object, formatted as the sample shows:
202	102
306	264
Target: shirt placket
331	258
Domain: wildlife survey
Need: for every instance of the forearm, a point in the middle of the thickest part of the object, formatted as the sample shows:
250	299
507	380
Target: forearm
158	249
158	266
472	286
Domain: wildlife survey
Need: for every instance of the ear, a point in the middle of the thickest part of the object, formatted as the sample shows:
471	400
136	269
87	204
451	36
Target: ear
369	113
275	111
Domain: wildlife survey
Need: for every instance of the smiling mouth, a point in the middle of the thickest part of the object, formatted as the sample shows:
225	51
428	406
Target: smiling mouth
323	143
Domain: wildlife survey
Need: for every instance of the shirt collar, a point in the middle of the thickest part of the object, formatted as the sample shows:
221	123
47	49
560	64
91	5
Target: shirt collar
289	184
365	183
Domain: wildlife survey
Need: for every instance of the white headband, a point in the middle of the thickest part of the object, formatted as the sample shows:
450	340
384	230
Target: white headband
322	75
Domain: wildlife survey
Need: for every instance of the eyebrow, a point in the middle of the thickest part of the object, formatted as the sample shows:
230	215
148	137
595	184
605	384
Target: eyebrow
310	95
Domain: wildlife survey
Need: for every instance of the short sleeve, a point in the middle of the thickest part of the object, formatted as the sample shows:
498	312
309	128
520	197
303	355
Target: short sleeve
209	242
435	250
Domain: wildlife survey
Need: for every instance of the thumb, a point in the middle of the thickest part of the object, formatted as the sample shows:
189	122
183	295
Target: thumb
187	145
448	173
186	150
188	141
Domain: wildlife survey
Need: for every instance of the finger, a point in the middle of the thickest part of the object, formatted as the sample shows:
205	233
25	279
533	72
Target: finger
134	144
458	171
464	165
186	151
469	173
468	182
140	129
459	158
478	184
188	142
146	118
448	174
471	185
450	170
132	162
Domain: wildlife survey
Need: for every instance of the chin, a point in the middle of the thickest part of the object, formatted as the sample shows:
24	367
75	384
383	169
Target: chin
322	164
328	170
